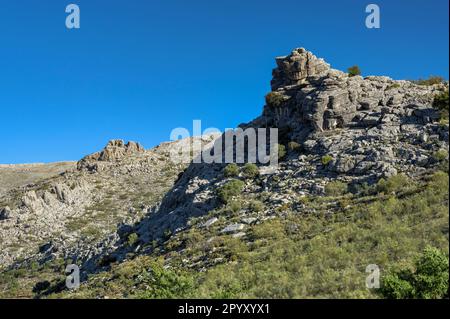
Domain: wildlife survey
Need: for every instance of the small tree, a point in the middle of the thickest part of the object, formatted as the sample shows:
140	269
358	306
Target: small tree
429	280
354	70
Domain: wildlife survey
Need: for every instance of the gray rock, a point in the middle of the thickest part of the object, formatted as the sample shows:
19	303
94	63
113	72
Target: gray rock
239	235
210	222
233	228
249	220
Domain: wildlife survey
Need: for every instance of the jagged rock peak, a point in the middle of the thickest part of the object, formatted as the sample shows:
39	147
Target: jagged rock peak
114	151
309	96
295	68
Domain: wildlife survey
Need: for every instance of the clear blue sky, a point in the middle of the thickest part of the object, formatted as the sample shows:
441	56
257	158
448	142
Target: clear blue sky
137	69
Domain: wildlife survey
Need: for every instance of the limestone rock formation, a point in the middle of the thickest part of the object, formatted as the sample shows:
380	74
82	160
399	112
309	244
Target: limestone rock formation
307	95
367	128
296	68
114	151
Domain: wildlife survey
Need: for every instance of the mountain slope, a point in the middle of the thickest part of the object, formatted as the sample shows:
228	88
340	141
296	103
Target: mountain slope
362	179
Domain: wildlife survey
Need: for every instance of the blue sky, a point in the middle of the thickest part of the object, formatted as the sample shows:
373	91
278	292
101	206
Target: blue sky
137	69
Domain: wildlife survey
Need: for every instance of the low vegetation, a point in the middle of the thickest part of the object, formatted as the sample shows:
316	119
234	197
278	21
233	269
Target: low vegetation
274	99
336	188
231	170
354	70
441	103
428	279
229	190
250	170
432	80
326	159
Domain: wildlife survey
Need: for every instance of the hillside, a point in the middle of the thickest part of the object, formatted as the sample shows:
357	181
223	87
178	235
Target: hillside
362	179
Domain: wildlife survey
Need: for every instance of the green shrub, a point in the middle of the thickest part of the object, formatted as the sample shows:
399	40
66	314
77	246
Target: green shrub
440	155
193	238
281	151
432	80
235	206
393	184
132	239
293	146
428	281
256	206
231	170
336	188
393	86
354	70
274	99
165	283
326	159
250	170
440	103
230	190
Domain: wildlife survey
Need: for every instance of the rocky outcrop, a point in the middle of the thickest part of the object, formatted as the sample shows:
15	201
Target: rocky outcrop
307	95
349	128
296	68
114	151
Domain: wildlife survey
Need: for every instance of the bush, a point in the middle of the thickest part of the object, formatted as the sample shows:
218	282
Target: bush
164	283
354	70
293	146
281	151
193	238
250	170
235	206
392	184
230	190
432	80
336	188
428	281
440	155
274	99
393	86
326	159
256	206
231	170
132	239
440	103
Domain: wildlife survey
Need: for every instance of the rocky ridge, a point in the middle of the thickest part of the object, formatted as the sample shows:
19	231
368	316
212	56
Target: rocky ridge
347	128
77	212
335	127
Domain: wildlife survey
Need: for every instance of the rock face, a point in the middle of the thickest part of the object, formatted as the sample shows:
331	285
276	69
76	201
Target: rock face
307	95
296	68
114	151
